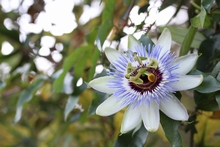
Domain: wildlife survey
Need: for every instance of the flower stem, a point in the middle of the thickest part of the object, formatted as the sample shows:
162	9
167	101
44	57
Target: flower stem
188	40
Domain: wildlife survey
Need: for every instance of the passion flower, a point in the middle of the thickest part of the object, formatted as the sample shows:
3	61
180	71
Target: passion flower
144	79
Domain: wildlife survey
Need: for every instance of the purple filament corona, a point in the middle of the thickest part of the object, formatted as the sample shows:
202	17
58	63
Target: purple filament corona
134	93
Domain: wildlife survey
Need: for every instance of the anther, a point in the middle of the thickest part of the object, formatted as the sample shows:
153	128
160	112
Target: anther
151	77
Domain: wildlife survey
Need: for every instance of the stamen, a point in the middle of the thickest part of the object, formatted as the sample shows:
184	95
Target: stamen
151	77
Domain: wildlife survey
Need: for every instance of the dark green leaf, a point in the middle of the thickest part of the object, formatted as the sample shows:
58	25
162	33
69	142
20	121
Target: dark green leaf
199	20
207	4
205	102
99	97
170	128
216	70
79	90
217	98
26	96
218	2
132	139
209	84
216	15
218	77
167	3
11	34
143	8
145	40
207	50
191	125
70	105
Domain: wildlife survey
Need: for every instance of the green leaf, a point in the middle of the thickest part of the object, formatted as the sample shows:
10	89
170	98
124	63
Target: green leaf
217	98
103	32
11	34
216	70
178	35
206	101
218	77
207	4
143	8
80	89
94	60
107	23
71	103
203	62
188	40
145	40
166	4
90	38
218	2
170	128
199	20
130	139
209	85
78	54
26	96
99	97
80	66
216	15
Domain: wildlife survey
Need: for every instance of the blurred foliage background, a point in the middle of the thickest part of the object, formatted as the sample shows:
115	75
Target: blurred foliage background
51	49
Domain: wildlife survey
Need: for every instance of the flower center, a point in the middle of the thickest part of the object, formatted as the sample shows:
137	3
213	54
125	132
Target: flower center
145	77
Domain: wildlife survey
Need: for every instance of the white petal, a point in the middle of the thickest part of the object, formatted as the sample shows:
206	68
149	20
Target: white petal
110	106
186	63
132	42
186	82
100	84
150	116
165	41
112	54
131	119
174	109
